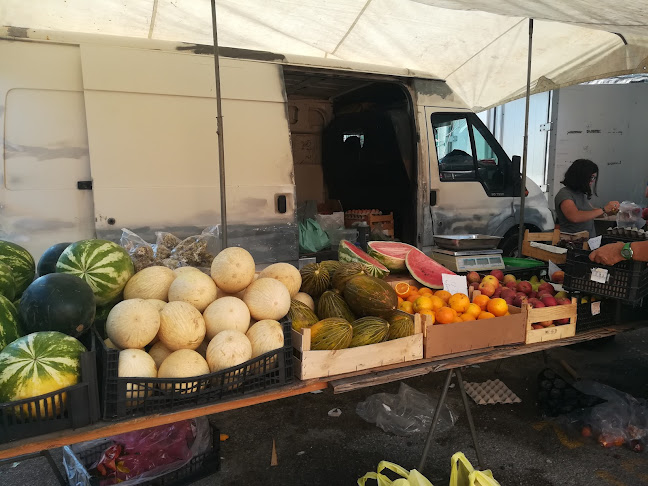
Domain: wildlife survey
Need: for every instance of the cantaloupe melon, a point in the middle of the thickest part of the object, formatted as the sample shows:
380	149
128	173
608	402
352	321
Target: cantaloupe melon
267	298
159	353
229	348
195	288
233	269
265	336
183	363
286	273
132	324
226	313
150	283
306	299
110	345
136	363
157	303
185	270
202	349
181	326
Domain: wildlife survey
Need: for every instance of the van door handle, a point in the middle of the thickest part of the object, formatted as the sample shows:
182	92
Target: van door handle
433	198
282	205
84	185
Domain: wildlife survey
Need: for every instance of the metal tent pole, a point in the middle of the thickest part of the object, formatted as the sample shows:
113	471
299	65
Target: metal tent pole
219	130
526	140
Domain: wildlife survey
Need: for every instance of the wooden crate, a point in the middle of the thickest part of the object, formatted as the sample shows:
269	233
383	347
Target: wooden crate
461	337
549	314
310	363
386	221
549	238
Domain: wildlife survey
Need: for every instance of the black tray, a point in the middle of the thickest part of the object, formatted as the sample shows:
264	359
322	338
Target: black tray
585	321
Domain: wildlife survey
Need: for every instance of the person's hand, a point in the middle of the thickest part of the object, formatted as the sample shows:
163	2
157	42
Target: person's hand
612	207
608	254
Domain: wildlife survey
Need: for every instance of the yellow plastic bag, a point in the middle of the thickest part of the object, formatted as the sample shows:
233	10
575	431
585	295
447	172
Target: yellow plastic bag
463	474
410	478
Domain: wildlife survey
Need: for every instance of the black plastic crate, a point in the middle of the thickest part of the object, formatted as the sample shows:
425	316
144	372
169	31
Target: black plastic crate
633	313
68	408
159	395
626	281
607	316
199	467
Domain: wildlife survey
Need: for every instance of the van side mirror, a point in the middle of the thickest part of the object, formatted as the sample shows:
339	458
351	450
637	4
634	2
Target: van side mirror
516	164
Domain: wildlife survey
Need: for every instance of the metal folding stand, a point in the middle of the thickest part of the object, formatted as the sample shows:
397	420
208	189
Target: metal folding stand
437	413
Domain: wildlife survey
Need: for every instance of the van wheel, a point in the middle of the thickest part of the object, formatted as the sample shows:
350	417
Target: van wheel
509	246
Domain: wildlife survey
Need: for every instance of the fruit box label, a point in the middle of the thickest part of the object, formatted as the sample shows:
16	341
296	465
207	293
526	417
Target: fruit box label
596	308
599	275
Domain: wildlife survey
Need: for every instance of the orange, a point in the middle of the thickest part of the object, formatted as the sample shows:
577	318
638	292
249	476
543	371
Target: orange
402	289
458	319
474	310
485	315
498	307
467	317
481	301
437	302
446	315
407	307
412	297
422	303
443	294
425	290
459	302
430	318
400	301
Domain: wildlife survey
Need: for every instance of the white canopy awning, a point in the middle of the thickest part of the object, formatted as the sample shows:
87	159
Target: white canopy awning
478	46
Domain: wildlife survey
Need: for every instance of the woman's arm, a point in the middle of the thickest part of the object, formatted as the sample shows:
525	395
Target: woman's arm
574	215
611	254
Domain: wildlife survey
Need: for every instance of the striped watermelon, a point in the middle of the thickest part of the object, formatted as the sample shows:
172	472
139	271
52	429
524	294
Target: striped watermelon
9	324
7	282
104	265
349	253
391	254
37	364
21	263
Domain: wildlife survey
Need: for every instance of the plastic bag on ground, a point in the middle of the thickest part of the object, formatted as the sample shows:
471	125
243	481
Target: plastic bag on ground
463	474
408	478
407	412
139	456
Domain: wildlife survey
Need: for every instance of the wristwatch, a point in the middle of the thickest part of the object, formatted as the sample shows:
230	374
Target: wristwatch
626	251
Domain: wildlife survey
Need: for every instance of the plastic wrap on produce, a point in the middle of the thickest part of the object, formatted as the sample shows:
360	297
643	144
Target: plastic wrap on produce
140	251
137	457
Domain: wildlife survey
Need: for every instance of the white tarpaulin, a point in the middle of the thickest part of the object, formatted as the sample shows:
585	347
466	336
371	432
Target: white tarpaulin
478	46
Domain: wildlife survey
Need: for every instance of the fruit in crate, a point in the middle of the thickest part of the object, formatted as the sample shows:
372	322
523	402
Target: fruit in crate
399	326
548	300
150	283
558	277
265	336
104	265
459	303
546	287
491	279
445	315
349	253
132	324
47	262
285	273
267	298
183	363
482	301
306	299
227	313
228	349
21	263
301	315
331	304
498	307
498	274
195	288
370	296
525	287
331	267
509	279
182	326
233	269
315	279
330	334
58	302
346	272
159	353
369	330
473	277
487	289
36	364
391	254
136	363
10	330
7	282
425	270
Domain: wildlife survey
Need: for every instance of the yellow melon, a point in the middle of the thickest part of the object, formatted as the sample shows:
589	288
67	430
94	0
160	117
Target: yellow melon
183	363
233	269
265	336
150	283
195	288
181	326
226	313
229	348
159	353
267	298
304	298
139	364
286	273
132	324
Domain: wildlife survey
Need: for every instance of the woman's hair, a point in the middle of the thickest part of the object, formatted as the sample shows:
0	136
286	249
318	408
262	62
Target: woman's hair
579	175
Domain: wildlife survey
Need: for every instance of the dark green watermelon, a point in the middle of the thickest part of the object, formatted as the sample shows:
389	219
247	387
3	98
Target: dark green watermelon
47	262
58	302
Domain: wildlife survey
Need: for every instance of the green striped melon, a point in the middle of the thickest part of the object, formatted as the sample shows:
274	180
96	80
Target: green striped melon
7	282
10	329
400	325
370	296
331	304
330	334
301	315
104	265
345	273
21	263
39	363
315	279
369	330
331	267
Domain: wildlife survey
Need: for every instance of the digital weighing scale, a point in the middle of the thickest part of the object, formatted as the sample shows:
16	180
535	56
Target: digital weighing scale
469	260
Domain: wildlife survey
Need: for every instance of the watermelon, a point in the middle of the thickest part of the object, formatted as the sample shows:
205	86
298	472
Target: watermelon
348	253
7	282
21	264
47	262
37	364
391	254
9	326
58	302
425	270
104	265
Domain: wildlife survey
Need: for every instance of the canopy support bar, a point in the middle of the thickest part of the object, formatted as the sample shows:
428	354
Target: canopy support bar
526	141
219	131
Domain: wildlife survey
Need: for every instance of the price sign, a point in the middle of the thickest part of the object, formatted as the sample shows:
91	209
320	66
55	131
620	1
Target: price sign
599	275
594	243
455	284
596	308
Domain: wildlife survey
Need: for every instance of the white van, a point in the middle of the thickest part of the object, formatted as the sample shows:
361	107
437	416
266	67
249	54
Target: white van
103	133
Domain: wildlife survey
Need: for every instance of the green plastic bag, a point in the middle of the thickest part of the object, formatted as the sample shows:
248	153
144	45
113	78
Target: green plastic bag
411	478
312	238
463	474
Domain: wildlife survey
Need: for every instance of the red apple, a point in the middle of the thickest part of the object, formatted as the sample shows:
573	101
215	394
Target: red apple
559	276
547	287
511	285
474	285
487	289
549	301
644	213
497	293
473	277
509	299
525	287
506	292
533	294
537	326
509	279
518	301
563	301
498	274
535	303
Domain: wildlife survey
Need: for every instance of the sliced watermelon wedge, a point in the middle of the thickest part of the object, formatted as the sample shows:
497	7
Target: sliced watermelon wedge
425	270
349	253
391	254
